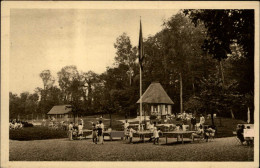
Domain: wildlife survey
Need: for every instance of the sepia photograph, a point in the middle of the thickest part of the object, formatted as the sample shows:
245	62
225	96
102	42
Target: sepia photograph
149	83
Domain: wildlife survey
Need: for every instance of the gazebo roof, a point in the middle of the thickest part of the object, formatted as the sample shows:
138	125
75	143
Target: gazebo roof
155	94
60	109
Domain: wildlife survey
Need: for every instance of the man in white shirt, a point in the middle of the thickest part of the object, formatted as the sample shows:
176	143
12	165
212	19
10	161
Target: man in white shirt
202	119
70	131
80	128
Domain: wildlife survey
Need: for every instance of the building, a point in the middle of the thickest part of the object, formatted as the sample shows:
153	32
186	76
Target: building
155	101
61	111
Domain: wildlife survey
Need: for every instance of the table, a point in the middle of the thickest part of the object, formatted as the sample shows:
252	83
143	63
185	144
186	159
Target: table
249	136
178	133
112	134
143	133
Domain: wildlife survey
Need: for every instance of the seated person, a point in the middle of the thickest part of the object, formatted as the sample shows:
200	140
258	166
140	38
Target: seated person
199	133
209	132
240	132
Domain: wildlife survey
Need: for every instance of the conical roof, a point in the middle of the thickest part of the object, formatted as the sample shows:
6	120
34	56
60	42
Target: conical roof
155	94
60	109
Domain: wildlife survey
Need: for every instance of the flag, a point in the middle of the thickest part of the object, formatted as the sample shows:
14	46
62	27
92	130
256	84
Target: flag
140	47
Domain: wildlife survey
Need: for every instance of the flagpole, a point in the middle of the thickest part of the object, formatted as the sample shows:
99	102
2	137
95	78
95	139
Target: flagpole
141	108
140	47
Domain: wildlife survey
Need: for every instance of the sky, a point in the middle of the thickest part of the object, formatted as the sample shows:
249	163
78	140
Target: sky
42	39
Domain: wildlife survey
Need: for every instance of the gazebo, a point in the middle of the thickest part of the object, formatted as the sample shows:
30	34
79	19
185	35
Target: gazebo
60	111
156	101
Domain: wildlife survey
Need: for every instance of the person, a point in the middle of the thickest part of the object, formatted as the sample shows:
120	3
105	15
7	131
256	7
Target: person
70	130
75	131
100	130
82	122
126	125
94	133
198	133
202	119
131	134
240	132
151	129
156	135
80	129
209	132
193	122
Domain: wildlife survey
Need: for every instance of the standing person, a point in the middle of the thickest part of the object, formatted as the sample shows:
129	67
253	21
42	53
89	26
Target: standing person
131	134
126	125
193	122
70	131
94	133
80	129
82	122
100	132
202	119
151	128
240	132
156	135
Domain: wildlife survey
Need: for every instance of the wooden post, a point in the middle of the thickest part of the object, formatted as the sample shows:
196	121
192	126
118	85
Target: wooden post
181	107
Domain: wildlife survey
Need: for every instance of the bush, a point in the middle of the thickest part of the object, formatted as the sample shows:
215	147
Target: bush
26	124
36	133
153	117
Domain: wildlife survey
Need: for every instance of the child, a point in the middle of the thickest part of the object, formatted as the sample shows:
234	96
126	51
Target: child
131	134
80	128
156	135
94	133
126	133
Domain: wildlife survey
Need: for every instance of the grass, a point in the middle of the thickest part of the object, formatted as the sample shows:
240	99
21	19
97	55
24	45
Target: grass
220	149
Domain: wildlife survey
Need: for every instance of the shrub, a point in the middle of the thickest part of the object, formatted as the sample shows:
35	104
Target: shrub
36	133
153	117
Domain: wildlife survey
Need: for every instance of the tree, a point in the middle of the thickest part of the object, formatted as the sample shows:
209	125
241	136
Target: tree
226	28
66	76
89	78
47	78
125	54
175	53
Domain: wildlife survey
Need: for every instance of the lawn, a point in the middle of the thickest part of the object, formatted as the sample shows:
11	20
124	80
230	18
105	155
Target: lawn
220	149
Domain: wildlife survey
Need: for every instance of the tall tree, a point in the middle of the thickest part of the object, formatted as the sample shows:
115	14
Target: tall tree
225	28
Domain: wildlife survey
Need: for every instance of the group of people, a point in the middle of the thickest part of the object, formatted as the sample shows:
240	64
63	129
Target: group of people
75	130
129	132
15	124
97	132
240	135
203	133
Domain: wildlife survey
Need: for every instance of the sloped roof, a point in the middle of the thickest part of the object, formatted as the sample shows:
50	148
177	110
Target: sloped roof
155	94
60	109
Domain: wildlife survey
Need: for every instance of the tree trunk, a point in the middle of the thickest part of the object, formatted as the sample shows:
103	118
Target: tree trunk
221	72
181	109
232	114
212	119
110	117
